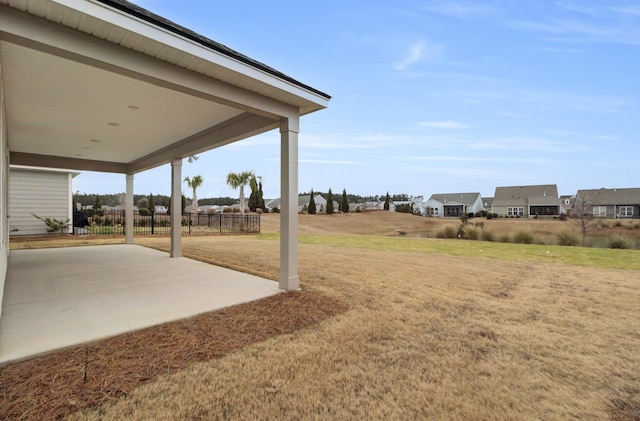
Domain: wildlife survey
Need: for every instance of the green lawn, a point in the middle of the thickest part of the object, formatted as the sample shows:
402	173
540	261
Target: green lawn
581	256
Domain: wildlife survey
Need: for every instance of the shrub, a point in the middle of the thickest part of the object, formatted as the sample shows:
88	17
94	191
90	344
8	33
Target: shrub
505	238
472	233
619	242
448	231
567	238
523	237
487	235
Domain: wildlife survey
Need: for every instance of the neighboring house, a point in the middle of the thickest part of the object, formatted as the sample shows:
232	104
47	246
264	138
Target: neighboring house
375	205
487	204
454	204
44	192
321	203
611	203
416	203
527	201
303	203
566	203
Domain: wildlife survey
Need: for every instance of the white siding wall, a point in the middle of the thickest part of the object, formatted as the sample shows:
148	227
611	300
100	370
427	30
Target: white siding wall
478	206
4	192
439	207
46	194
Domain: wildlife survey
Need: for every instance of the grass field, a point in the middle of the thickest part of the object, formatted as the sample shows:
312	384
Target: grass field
436	329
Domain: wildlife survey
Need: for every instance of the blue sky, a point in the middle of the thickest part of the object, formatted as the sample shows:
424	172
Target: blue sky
431	96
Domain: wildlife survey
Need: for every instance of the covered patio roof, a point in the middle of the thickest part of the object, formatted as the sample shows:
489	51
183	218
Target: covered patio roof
104	85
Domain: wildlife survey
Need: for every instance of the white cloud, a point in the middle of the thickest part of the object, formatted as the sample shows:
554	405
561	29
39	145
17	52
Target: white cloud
419	51
613	31
476	159
446	124
328	161
460	9
528	144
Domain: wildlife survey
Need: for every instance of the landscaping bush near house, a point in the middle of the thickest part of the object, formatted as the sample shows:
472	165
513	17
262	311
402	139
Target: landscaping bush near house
523	237
447	231
620	242
567	238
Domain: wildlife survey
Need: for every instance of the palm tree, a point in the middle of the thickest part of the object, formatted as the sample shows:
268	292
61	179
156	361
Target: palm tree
239	180
194	182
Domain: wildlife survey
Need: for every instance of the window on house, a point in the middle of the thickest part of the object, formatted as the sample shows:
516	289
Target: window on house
434	211
515	211
599	211
626	210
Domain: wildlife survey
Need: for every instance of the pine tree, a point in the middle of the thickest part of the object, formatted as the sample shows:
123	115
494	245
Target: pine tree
260	196
329	203
150	205
312	205
97	206
345	201
386	202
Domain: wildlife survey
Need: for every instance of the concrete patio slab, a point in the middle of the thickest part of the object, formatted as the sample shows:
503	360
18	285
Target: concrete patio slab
56	298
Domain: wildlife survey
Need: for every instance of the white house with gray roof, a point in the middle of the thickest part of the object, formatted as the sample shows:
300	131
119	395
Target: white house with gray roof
454	204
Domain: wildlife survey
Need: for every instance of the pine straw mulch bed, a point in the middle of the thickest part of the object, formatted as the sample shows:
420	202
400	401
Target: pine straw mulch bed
57	384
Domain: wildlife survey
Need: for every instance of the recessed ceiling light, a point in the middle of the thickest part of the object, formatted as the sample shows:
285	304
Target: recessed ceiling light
134	107
94	140
113	124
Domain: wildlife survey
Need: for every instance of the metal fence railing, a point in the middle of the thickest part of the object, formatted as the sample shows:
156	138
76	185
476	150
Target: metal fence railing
113	223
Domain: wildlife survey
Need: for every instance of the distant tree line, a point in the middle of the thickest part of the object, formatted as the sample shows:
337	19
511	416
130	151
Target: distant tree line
88	199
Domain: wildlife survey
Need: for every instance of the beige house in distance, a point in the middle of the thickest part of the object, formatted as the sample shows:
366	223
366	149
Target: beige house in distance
527	201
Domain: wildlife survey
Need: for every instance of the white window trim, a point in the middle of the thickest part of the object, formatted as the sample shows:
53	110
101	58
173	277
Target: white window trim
625	210
599	211
515	211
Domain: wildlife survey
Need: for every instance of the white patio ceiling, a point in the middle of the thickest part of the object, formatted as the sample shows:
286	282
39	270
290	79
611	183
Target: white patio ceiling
88	86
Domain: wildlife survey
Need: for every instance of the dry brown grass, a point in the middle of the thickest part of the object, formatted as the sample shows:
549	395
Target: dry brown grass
426	337
59	383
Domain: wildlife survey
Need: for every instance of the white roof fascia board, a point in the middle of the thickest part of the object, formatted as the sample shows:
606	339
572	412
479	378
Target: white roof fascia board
41	169
184	45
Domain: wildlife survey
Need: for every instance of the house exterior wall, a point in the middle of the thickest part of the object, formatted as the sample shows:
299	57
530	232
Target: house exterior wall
477	206
44	193
437	208
4	191
503	210
615	211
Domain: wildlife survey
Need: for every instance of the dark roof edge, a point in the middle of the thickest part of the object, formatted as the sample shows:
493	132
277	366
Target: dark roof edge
170	26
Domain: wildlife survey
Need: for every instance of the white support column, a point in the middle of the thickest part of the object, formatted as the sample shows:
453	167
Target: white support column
289	279
176	208
128	210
